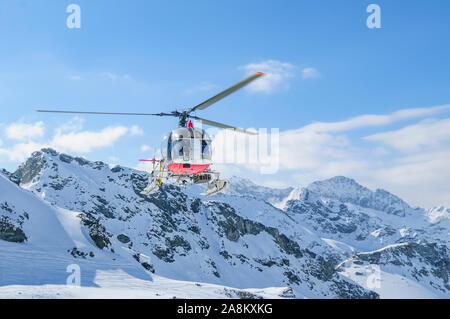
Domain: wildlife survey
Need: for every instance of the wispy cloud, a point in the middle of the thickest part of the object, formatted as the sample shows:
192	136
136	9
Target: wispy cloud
136	131
87	141
20	151
310	73
68	137
368	120
411	162
146	148
114	77
417	137
277	75
421	178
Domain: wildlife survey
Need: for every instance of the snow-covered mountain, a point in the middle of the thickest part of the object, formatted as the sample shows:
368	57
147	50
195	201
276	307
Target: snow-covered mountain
252	241
348	191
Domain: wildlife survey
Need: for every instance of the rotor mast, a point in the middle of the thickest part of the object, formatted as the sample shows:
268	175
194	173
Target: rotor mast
182	119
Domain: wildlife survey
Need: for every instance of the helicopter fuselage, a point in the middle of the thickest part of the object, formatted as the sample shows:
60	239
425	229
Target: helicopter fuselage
187	150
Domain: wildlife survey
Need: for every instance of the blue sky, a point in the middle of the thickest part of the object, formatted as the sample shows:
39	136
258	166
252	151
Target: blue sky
152	56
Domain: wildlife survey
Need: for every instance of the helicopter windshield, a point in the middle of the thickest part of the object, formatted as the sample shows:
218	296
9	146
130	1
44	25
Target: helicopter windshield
181	149
189	145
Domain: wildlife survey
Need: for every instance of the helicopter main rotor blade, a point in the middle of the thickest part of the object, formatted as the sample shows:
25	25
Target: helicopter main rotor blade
217	124
227	92
106	113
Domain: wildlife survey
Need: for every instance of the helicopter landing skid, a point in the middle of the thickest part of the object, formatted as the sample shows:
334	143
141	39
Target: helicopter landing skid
154	183
215	187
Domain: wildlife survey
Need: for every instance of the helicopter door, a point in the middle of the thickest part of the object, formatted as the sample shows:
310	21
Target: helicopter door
206	150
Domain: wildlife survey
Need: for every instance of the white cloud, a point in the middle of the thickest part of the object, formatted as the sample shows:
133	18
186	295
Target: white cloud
310	73
86	141
69	137
277	75
413	138
19	152
375	120
23	131
421	179
74	124
322	150
311	150
146	148
136	131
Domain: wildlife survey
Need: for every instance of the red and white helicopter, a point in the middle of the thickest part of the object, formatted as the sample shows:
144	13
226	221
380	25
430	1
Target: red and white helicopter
186	151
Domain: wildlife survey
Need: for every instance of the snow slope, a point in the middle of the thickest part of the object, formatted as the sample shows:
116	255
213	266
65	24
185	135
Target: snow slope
37	267
398	271
179	243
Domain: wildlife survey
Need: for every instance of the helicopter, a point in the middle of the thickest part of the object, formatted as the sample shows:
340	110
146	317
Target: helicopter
186	151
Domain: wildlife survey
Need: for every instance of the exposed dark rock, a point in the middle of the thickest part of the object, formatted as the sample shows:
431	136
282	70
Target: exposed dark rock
293	278
144	264
225	254
123	238
235	226
97	231
116	169
76	253
163	254
178	241
30	169
346	290
9	232
65	158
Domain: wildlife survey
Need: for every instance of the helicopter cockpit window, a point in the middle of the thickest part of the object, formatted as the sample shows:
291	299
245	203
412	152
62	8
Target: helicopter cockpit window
181	149
206	149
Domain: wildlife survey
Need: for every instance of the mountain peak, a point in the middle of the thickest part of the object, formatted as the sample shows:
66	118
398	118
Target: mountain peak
48	158
348	190
239	186
338	181
49	151
339	187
